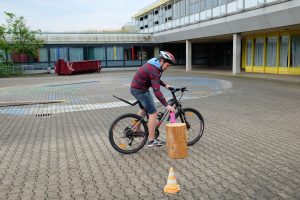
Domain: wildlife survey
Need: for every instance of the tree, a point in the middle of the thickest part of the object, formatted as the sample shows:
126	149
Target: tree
3	40
17	38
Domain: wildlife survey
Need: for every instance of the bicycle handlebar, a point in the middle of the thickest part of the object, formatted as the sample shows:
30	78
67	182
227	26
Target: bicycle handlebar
173	90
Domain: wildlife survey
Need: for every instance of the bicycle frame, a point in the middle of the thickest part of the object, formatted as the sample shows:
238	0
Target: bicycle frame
161	116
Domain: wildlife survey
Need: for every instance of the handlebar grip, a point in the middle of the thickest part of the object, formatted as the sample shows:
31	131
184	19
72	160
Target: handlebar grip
177	89
183	89
171	89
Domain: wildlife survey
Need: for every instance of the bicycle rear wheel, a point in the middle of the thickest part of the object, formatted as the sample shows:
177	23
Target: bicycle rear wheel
194	124
123	135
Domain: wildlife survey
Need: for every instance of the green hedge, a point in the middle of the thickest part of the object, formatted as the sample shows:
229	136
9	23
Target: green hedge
10	70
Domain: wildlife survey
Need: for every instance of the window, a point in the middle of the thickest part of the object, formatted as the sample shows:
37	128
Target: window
215	3
182	8
168	12
261	2
202	5
295	51
141	19
187	8
249	52
168	7
284	46
271	51
196	6
132	53
250	3
148	52
43	55
168	19
259	51
222	2
115	53
192	6
76	54
99	53
208	4
58	53
176	10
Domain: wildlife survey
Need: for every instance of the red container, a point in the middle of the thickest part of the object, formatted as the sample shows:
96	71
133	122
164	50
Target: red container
59	65
78	67
19	57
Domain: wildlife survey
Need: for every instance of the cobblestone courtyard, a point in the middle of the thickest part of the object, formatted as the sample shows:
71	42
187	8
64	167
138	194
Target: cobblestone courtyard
249	150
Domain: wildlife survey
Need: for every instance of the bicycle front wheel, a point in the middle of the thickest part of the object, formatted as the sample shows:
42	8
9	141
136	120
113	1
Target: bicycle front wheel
194	124
128	133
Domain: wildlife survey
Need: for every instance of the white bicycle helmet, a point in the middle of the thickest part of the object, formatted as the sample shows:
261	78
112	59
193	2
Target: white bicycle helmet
167	56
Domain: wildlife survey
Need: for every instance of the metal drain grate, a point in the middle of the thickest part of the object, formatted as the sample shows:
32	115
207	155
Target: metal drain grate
43	115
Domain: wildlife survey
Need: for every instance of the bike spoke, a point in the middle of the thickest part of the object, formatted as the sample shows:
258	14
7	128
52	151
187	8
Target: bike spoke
127	134
194	124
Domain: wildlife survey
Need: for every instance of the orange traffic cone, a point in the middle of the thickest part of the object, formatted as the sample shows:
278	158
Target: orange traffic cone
171	186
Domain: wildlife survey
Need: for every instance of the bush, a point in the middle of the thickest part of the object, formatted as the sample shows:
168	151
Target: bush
9	70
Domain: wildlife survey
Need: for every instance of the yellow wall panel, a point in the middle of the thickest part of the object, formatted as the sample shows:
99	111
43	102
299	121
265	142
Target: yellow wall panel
271	70
248	69
294	70
259	69
283	70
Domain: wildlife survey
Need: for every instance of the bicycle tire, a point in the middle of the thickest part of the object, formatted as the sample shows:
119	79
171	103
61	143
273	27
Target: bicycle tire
192	139
120	147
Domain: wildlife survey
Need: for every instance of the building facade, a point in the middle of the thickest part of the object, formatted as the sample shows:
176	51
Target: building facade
255	35
112	49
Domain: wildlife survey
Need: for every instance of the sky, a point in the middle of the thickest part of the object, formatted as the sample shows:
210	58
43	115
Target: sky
73	15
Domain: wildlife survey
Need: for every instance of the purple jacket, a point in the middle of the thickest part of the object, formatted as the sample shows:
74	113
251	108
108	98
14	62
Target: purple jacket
149	76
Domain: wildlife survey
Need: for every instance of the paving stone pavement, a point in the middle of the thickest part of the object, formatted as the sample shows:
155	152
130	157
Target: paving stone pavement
249	150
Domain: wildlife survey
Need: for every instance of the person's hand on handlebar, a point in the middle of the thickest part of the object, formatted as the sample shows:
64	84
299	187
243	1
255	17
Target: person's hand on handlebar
170	108
169	87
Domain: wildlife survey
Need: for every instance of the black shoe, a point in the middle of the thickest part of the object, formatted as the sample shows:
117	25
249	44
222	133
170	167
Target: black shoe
155	142
160	141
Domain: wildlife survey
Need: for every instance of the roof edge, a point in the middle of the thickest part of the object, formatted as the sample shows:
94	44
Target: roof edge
150	7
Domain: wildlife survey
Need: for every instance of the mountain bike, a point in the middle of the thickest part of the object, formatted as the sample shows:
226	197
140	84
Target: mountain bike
125	139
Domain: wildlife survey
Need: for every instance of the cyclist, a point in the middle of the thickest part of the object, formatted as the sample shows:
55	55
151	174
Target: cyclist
148	75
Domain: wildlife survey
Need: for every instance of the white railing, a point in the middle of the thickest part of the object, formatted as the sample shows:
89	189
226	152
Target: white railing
66	38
